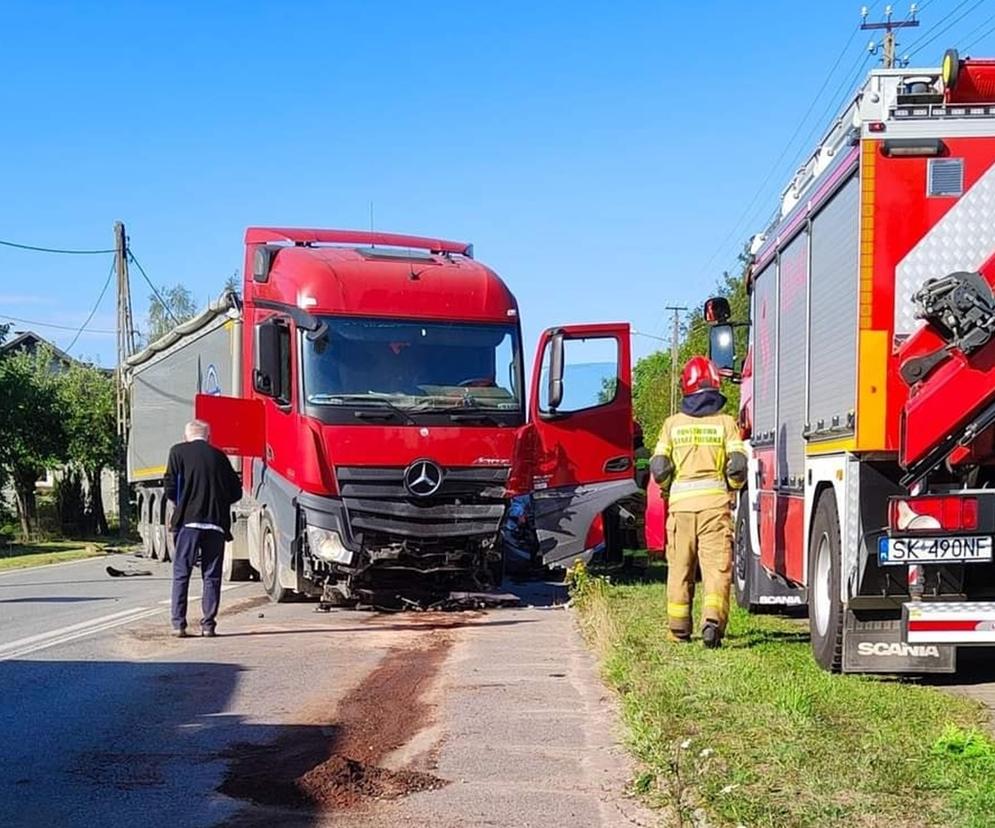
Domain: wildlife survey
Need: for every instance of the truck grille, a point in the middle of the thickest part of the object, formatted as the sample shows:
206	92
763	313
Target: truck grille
470	502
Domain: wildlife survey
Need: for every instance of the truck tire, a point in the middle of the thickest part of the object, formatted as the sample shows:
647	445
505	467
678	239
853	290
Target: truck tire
157	532
146	529
269	561
825	605
742	557
169	547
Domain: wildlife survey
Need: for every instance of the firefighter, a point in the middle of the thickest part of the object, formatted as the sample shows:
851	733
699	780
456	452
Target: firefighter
699	461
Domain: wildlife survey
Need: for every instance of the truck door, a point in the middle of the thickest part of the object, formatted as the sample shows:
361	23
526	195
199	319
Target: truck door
580	415
237	424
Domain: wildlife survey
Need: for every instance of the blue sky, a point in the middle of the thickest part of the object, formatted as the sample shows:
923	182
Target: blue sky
601	157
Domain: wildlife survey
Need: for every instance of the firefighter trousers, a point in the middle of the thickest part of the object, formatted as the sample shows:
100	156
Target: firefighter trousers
703	537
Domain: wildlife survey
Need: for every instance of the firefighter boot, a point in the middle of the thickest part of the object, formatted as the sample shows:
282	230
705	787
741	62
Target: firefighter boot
711	635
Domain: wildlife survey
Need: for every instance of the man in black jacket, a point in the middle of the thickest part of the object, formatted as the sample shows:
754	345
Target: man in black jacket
202	485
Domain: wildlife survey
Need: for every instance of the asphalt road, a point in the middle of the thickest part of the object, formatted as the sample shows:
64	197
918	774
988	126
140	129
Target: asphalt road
294	717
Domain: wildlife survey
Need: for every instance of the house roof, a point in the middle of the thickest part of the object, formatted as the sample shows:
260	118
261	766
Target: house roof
29	340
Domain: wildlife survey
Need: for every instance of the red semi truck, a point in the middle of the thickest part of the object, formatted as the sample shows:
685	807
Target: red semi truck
870	399
373	388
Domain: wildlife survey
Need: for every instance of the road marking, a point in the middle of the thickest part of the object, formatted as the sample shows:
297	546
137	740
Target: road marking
25	570
82	633
64	635
61	631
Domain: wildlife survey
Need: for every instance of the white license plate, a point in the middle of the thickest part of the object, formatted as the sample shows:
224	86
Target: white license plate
929	550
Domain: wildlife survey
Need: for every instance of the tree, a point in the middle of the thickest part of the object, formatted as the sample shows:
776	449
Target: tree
175	306
32	433
651	393
233	284
651	374
87	399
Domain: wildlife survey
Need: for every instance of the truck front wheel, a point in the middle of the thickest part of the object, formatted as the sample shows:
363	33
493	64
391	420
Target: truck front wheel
825	604
269	560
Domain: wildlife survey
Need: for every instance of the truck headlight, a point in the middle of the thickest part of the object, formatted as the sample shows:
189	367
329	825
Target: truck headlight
326	545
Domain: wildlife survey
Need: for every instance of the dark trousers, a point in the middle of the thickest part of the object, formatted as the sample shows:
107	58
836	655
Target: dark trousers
211	545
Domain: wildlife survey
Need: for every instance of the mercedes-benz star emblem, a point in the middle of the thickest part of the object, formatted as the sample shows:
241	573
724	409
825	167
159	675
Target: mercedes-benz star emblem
423	478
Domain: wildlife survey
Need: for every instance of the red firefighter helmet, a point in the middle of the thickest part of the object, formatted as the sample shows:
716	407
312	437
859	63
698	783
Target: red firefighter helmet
699	374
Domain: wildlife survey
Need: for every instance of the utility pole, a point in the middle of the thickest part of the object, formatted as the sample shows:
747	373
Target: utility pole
675	336
125	348
889	26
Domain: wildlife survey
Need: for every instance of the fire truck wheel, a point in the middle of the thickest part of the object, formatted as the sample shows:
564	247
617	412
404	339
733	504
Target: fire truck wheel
825	605
742	557
269	562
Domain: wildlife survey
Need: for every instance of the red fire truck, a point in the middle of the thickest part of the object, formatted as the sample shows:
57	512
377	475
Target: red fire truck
869	392
373	386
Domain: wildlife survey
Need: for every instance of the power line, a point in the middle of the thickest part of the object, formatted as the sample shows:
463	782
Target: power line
649	336
64	251
933	28
919	45
96	305
148	281
50	324
835	104
982	36
776	166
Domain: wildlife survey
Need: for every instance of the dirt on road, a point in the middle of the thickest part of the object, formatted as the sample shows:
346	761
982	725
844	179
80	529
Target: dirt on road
332	761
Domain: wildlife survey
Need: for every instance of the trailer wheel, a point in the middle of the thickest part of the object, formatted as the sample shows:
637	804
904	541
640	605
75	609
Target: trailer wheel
146	529
157	533
269	561
169	547
742	557
825	605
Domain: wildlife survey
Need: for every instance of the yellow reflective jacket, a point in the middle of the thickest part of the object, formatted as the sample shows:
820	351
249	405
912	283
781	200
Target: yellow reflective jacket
698	448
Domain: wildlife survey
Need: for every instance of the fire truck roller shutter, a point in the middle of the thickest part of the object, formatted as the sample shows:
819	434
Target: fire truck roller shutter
765	352
792	290
833	326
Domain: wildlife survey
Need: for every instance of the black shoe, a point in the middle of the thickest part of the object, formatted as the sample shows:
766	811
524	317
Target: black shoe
208	632
711	635
181	632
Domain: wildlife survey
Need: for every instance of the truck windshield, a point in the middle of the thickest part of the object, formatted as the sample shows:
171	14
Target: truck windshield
414	366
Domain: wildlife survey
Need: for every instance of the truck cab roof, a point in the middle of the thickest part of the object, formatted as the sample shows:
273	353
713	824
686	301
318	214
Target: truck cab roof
385	275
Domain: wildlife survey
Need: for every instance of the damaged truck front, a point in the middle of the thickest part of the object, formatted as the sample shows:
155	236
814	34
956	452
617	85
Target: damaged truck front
375	394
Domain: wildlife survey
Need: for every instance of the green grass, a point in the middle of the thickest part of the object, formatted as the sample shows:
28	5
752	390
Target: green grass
755	734
23	555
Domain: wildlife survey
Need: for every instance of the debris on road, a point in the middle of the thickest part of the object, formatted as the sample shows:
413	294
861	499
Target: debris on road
126	573
334	761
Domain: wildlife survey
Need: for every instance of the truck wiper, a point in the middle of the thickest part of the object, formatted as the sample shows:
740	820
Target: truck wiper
326	399
474	417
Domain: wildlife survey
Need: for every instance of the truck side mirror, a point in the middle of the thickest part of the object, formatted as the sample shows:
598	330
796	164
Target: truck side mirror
266	374
722	347
555	392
